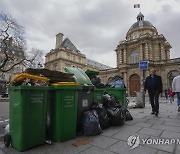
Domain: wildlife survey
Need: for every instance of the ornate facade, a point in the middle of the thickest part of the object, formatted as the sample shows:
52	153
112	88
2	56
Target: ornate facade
143	43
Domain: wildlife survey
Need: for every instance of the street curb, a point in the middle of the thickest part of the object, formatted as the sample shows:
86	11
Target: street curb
4	99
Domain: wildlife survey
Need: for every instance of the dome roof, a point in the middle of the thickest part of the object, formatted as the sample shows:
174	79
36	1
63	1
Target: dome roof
140	22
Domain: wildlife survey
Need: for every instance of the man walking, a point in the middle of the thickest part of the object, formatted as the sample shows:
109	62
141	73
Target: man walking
176	89
153	84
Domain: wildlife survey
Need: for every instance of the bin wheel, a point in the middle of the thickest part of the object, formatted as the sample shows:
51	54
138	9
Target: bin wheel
7	140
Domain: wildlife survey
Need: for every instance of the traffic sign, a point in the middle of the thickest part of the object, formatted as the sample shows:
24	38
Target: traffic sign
143	65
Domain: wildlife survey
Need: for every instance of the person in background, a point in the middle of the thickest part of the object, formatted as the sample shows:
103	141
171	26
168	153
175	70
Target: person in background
171	95
153	84
165	93
176	89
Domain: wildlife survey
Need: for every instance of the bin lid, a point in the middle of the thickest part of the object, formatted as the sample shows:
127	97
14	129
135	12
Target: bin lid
91	72
25	87
80	75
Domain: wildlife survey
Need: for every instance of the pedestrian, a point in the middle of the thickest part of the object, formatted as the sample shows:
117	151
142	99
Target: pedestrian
166	93
153	84
176	89
171	95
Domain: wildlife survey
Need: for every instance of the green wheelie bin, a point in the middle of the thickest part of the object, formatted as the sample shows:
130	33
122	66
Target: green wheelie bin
119	93
28	106
98	95
64	112
85	93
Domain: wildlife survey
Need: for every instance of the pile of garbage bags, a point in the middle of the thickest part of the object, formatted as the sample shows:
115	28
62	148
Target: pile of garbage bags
138	101
113	82
95	79
102	116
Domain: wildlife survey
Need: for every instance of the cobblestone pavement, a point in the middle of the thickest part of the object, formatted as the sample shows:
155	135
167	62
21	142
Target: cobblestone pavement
114	139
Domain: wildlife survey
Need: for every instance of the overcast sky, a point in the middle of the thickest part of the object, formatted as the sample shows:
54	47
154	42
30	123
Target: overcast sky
94	26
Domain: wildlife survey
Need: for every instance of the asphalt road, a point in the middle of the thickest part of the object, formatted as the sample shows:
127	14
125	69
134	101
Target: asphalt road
4	116
4	110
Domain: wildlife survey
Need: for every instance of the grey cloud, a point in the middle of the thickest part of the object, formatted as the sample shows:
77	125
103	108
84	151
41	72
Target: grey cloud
94	29
167	23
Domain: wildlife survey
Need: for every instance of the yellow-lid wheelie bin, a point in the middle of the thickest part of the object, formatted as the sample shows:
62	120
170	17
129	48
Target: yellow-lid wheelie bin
64	112
27	115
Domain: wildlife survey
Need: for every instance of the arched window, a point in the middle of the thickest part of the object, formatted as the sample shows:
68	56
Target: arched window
171	76
134	57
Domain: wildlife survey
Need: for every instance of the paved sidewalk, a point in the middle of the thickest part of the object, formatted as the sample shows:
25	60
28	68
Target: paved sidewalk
114	139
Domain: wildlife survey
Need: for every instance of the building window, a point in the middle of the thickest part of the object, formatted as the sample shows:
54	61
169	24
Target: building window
134	57
143	49
122	55
159	51
166	55
55	67
68	56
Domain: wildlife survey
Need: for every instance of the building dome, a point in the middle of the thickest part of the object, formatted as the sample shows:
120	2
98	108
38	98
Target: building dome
141	27
140	22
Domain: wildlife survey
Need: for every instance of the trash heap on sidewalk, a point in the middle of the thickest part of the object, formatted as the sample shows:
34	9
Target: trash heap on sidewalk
138	101
102	116
113	82
57	106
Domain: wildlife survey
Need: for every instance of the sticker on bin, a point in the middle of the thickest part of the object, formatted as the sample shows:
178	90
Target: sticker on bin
85	103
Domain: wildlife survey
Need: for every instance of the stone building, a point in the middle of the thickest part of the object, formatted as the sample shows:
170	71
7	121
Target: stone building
66	54
143	43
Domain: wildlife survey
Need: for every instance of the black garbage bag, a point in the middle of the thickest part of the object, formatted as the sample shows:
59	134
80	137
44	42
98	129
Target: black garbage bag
110	101
102	114
100	85
116	116
96	81
93	80
91	124
128	115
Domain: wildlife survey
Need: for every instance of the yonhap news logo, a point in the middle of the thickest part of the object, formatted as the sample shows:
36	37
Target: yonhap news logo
134	141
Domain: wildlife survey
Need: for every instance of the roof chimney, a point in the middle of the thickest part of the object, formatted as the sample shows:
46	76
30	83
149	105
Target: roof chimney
59	39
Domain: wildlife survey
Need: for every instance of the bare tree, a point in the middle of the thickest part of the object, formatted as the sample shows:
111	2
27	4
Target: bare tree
35	58
12	43
14	57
